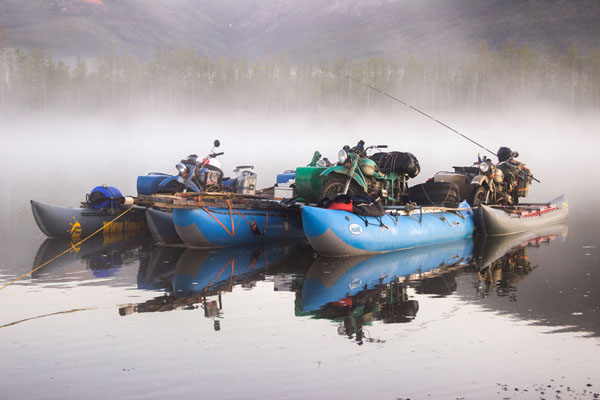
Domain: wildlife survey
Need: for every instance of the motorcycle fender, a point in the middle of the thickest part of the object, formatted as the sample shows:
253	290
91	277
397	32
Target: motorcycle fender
341	170
338	169
480	180
166	181
192	187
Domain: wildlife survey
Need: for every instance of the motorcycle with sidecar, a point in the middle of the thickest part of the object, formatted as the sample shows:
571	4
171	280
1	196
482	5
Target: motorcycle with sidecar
488	183
382	174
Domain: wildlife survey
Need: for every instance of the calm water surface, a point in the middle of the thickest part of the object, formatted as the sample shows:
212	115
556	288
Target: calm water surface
121	317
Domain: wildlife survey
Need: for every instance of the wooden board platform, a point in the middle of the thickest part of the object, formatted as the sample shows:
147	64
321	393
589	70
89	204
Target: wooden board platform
217	200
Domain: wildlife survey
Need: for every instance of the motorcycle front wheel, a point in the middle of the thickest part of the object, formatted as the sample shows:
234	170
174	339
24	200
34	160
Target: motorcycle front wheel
335	185
480	196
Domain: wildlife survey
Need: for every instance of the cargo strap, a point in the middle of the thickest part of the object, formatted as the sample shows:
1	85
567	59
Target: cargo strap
266	223
253	260
379	219
253	226
231	215
232	233
230	261
443	218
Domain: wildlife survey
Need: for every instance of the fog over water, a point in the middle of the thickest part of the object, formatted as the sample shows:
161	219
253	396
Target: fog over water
558	146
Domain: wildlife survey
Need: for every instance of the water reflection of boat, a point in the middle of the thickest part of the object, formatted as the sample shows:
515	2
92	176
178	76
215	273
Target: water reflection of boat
103	255
491	248
330	280
157	268
356	291
205	272
199	275
504	260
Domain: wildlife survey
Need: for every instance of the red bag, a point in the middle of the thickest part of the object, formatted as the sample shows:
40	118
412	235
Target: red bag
340	205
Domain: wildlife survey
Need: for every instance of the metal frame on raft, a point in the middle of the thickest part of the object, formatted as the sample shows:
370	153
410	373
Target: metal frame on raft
408	210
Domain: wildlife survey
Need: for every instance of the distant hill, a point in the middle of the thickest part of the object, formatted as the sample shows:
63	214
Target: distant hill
304	29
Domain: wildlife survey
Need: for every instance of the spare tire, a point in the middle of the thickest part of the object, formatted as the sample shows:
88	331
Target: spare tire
444	194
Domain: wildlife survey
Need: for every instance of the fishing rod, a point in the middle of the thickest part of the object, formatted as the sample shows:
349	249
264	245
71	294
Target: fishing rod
423	113
417	110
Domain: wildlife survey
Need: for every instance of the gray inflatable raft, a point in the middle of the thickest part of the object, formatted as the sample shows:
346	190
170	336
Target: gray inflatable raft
505	220
78	223
162	227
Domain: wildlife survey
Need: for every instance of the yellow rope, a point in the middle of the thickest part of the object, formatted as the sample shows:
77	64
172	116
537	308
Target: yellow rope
67	250
47	315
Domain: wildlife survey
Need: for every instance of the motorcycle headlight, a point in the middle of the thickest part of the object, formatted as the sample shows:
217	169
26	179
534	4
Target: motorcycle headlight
342	156
182	168
321	163
484	167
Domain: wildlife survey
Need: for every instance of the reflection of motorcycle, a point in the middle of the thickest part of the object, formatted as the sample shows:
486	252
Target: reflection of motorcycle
488	249
503	260
331	280
382	175
502	273
199	175
358	290
489	183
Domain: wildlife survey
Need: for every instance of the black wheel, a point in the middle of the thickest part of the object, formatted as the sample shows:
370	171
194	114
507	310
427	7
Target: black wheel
334	185
480	196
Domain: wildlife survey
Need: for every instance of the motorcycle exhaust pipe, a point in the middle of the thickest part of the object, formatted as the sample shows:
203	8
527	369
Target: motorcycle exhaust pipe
127	201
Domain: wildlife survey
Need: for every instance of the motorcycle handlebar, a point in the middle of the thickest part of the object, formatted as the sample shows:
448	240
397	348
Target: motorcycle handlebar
217	154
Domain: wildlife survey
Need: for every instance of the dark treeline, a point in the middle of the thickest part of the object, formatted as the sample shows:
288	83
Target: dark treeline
180	79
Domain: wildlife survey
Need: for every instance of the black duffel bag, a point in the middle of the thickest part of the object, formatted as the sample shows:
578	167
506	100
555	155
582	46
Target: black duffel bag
367	206
397	162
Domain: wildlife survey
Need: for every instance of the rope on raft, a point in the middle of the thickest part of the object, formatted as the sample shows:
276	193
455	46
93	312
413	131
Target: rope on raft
73	246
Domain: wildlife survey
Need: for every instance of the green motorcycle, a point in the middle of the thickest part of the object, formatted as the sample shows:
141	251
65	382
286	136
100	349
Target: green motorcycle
382	175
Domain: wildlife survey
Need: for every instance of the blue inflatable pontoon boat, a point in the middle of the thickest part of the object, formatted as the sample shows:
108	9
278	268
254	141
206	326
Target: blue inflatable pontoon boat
337	233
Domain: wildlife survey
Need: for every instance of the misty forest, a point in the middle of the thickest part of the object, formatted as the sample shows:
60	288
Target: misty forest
181	79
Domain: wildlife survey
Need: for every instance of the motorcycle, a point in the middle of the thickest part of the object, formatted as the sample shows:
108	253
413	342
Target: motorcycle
382	174
488	187
489	183
199	175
